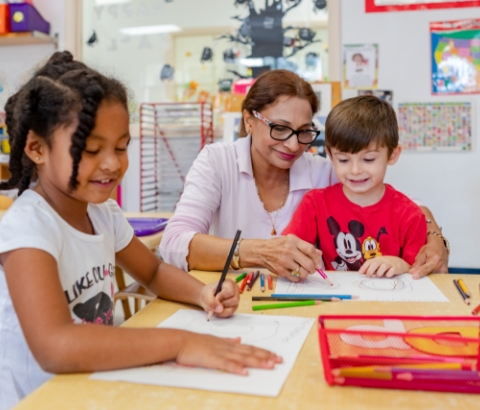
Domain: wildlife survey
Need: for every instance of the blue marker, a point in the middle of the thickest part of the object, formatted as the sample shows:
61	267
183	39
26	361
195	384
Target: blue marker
311	297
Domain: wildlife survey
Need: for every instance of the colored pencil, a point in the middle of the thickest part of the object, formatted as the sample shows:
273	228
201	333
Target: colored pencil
476	310
262	282
270	282
225	268
287	305
311	297
244	283
252	280
240	277
464	287
269	298
462	293
325	277
436	375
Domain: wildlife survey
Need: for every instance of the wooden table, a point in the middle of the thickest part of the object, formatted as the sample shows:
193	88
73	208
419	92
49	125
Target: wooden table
305	387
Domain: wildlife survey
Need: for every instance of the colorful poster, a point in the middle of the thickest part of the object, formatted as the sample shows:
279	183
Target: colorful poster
384	95
372	6
360	66
455	56
439	126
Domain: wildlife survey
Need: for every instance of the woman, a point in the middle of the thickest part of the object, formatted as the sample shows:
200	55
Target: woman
255	185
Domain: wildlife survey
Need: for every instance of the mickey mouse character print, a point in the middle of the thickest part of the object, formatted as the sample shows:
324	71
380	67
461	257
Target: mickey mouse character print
347	245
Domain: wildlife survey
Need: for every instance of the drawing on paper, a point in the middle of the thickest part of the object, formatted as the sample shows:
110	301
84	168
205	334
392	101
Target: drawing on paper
283	335
401	288
242	327
383	284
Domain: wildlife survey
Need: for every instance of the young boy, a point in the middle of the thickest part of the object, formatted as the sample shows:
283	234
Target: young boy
361	224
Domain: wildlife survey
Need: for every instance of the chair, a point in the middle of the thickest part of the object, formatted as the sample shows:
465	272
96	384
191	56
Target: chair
134	290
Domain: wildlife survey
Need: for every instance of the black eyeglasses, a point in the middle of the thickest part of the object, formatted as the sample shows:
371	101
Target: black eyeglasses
282	132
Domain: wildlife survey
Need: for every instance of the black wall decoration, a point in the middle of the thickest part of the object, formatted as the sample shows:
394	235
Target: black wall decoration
263	31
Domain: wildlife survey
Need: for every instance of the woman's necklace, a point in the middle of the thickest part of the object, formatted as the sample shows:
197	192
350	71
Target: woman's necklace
273	219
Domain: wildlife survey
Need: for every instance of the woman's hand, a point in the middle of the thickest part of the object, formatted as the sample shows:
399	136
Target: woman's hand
225	303
432	257
223	354
387	266
285	254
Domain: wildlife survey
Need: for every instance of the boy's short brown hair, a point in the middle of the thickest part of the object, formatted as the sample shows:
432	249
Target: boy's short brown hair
360	123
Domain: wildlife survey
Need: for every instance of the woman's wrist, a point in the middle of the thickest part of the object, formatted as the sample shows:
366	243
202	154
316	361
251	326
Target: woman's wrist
249	253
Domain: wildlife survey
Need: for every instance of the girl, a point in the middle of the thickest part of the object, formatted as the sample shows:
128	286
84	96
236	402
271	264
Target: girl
59	243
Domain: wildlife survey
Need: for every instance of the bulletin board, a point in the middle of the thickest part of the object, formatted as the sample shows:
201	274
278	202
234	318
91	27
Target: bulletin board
373	6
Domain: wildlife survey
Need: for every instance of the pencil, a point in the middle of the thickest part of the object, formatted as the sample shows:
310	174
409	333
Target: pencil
464	287
270	299
262	282
462	293
311	297
252	280
225	268
270	282
287	305
476	310
240	277
244	283
325	277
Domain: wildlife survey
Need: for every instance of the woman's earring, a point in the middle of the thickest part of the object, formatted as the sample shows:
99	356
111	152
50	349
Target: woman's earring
36	158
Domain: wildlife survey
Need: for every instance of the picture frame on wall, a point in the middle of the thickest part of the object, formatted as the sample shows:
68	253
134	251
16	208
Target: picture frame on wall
374	6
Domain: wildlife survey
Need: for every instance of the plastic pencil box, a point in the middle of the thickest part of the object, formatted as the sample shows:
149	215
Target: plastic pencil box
435	353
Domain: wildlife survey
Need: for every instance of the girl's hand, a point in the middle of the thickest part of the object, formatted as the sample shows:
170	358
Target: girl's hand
223	354
225	303
387	266
283	255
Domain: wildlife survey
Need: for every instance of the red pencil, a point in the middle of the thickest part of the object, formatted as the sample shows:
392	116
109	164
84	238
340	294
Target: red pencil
245	280
252	281
270	282
476	310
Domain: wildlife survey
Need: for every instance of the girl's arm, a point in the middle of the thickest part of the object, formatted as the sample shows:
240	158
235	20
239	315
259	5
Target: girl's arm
172	283
60	346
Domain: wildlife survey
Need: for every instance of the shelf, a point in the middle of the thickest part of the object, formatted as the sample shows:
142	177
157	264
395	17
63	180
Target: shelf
31	37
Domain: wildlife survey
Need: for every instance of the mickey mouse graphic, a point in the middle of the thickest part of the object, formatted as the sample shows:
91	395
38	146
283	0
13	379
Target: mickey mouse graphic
347	245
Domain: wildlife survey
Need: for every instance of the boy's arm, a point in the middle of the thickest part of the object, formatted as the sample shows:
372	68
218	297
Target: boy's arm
169	282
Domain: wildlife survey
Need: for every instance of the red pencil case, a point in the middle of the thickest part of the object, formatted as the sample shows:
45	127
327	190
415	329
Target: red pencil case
436	353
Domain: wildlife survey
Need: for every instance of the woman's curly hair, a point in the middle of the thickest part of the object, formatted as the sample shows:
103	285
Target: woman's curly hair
58	92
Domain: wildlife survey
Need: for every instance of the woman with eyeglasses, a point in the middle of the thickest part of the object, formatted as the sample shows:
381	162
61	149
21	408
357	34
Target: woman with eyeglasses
255	184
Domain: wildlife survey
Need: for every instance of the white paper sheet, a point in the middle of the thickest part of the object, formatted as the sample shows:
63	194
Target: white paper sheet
283	335
402	288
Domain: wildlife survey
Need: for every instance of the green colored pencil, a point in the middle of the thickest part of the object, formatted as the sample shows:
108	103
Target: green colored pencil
240	277
287	305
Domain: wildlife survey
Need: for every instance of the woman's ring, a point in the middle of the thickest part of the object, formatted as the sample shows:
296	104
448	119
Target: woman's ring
296	272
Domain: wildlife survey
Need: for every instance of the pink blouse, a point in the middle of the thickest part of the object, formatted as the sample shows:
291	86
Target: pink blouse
220	196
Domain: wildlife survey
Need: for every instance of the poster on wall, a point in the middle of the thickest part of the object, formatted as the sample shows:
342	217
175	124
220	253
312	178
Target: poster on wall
455	56
360	66
442	126
384	95
373	6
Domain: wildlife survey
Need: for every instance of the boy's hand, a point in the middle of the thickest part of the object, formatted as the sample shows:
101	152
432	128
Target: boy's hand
223	354
387	266
225	303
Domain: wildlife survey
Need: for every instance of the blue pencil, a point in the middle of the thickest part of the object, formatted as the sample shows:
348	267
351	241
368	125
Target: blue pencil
311	297
262	282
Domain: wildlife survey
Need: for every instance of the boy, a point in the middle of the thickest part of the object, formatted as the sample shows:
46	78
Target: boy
361	224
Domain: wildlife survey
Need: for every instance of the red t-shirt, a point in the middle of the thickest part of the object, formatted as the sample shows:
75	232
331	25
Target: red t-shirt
349	234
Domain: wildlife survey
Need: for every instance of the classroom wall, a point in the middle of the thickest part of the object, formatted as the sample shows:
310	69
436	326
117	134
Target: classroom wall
448	183
18	62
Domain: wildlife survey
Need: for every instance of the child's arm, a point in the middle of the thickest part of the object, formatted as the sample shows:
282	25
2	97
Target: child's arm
387	266
172	283
60	346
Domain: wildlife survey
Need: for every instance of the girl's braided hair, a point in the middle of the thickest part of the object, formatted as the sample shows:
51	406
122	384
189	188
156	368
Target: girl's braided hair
58	91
